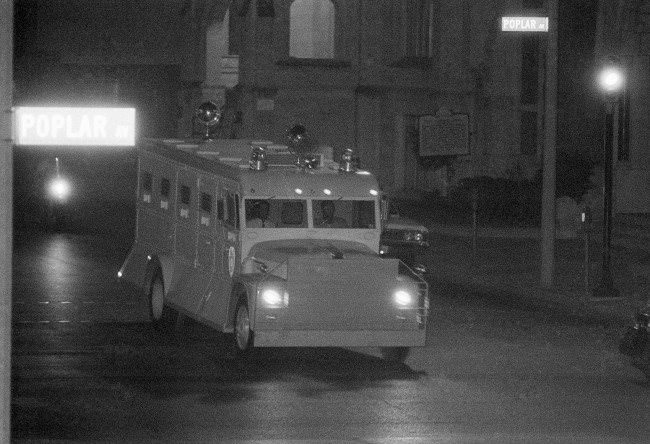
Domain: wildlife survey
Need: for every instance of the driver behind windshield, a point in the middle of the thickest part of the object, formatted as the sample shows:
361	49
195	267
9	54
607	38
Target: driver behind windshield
330	220
260	216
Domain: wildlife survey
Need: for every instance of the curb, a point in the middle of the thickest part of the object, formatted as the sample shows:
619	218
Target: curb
563	301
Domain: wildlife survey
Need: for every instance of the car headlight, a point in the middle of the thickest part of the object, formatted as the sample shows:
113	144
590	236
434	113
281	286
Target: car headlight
403	299
413	236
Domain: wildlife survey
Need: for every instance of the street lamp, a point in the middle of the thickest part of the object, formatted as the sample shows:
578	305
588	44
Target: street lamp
611	80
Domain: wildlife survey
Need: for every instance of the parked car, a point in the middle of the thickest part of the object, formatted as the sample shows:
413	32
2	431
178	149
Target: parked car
635	342
405	239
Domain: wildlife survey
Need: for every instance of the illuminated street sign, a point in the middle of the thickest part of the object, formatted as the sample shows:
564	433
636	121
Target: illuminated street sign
524	24
74	126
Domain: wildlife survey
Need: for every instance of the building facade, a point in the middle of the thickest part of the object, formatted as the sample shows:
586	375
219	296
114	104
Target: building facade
360	74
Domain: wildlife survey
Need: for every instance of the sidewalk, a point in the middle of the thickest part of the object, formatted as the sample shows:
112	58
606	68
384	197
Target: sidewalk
507	260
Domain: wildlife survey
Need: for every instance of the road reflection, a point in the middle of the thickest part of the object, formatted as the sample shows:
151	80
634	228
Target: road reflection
66	277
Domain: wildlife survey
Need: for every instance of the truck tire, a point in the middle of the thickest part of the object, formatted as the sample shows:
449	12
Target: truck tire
162	317
242	335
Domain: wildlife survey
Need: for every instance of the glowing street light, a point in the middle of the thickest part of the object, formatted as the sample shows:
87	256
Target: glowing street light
611	81
59	188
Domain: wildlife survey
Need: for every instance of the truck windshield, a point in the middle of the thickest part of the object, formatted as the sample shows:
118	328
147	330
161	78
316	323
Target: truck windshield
344	213
276	213
292	213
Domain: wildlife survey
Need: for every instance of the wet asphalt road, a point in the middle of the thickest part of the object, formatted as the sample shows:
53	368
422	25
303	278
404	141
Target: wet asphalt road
85	366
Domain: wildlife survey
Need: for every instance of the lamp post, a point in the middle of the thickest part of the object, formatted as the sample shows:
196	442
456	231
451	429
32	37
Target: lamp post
611	81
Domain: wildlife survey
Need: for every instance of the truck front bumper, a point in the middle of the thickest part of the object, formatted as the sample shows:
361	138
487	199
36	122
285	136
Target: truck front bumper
340	338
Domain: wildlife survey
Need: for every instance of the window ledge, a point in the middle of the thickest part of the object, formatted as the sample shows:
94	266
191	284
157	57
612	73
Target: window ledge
321	63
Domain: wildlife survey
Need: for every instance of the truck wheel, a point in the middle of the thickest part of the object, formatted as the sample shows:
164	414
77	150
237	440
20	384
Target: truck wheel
395	354
162	317
243	335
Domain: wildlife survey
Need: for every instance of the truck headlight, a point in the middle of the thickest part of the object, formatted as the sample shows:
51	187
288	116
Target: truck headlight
274	298
271	297
403	299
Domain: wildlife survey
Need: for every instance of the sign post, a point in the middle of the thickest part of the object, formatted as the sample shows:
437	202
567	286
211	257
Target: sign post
546	25
6	197
547	272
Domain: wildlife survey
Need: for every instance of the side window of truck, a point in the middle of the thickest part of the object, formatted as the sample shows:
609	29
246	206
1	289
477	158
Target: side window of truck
165	187
147	186
186	195
205	205
220	209
185	198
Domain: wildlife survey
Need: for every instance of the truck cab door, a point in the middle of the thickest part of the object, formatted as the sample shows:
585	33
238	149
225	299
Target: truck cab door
227	255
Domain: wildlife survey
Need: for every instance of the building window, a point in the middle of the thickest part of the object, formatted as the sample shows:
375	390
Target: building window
311	29
418	29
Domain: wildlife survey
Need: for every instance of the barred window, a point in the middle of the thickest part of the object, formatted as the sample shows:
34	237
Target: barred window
186	195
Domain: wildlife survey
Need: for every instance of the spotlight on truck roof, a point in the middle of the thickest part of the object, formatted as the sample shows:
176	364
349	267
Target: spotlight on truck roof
348	164
208	113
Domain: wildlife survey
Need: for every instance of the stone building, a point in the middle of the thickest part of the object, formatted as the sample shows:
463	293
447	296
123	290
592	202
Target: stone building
359	74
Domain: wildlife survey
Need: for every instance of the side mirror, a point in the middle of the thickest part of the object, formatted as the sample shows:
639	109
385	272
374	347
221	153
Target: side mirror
420	269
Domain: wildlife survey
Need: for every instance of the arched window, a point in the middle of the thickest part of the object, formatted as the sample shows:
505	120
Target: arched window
312	29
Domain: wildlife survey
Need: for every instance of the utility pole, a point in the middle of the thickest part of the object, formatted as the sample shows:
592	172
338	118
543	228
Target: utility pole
6	204
550	136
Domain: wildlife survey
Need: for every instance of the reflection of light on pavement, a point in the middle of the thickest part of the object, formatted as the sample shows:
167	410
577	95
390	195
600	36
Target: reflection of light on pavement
67	279
57	267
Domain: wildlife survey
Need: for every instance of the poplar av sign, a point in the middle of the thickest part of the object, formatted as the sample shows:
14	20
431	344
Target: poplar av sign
524	24
74	126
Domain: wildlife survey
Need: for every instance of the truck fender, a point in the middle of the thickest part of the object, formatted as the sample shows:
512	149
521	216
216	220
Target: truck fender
239	287
156	263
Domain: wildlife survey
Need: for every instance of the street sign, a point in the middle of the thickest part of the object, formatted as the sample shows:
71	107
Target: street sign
524	24
74	126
